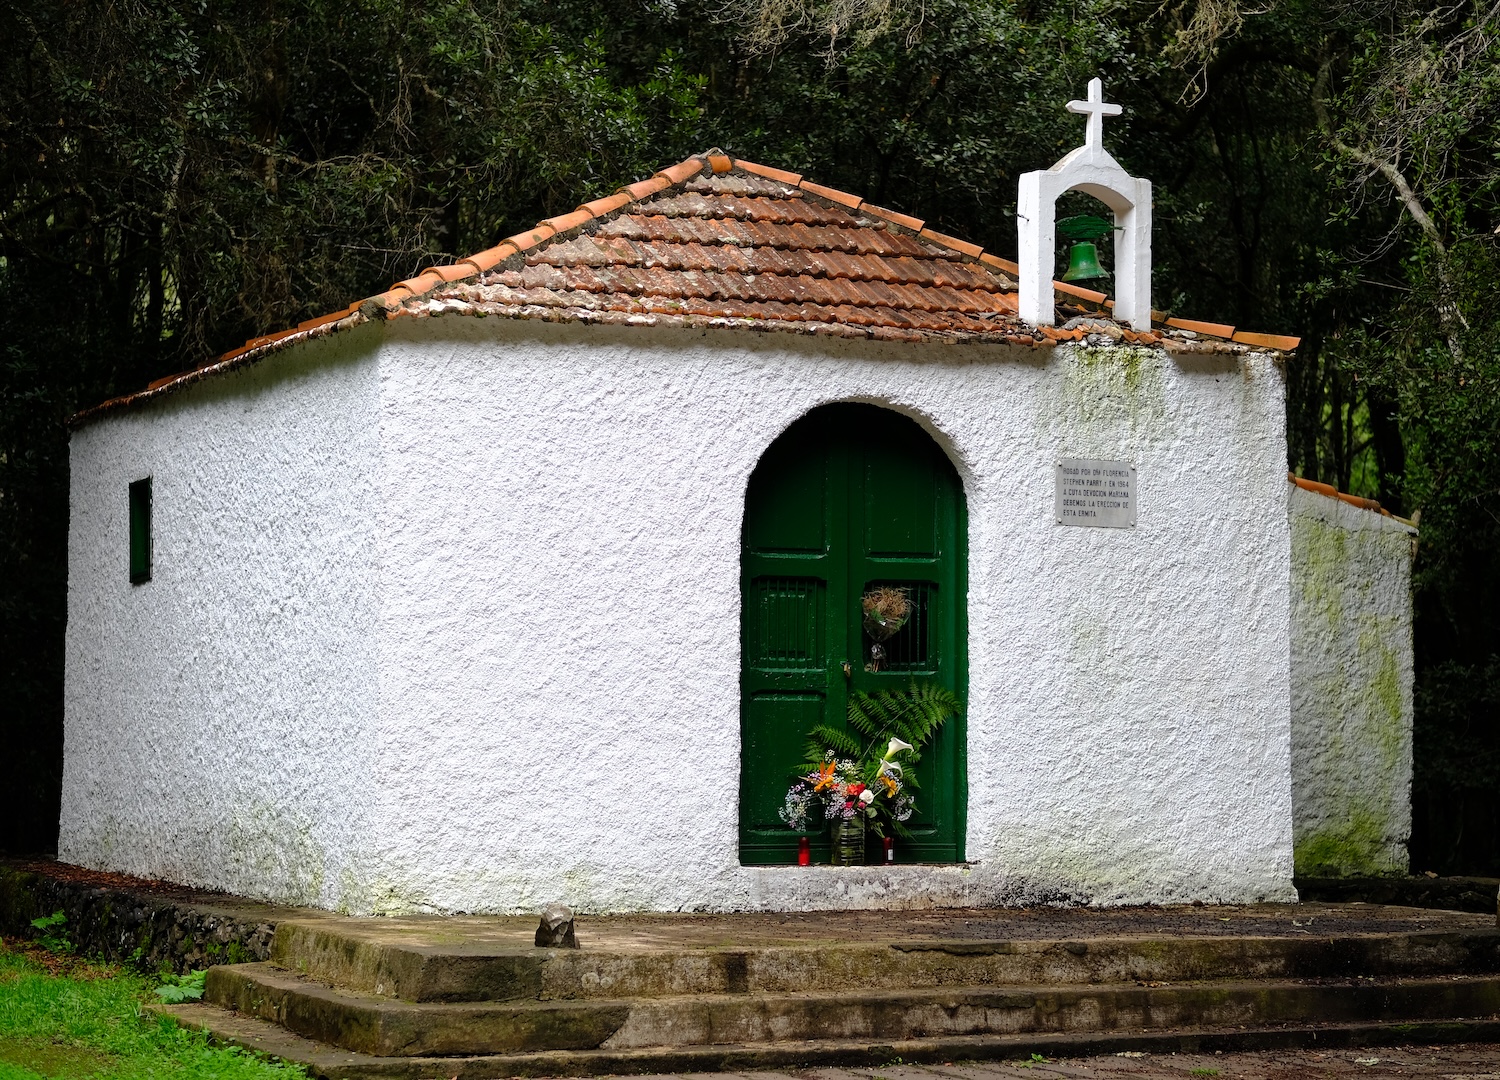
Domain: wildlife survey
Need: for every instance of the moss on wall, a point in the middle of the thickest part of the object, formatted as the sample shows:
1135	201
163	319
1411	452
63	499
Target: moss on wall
1354	848
1110	391
1351	677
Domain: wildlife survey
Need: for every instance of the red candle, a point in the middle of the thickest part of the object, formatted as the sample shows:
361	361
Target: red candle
804	853
890	849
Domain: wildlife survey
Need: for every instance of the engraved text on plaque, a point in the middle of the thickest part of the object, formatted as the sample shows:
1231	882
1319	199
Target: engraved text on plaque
1090	492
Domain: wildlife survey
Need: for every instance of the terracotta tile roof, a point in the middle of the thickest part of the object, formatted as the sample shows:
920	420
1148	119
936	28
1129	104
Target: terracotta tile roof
1343	496
739	247
716	241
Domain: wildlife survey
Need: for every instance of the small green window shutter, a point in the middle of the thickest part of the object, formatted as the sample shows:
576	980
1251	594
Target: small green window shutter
140	531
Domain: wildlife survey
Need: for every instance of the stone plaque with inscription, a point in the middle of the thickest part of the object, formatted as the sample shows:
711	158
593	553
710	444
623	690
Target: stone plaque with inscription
1090	492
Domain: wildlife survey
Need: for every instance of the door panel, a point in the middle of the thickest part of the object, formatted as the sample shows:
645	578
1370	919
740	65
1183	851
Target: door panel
791	501
776	727
899	500
849	497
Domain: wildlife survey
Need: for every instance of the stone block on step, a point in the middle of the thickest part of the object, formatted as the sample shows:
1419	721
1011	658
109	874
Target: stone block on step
556	929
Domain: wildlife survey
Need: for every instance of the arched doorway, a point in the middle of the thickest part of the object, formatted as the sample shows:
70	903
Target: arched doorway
849	497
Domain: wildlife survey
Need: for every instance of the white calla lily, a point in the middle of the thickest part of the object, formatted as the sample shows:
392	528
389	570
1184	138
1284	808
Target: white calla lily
889	768
897	745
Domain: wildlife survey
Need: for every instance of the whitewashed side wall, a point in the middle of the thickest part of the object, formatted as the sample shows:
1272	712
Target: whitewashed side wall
216	717
1351	688
559	516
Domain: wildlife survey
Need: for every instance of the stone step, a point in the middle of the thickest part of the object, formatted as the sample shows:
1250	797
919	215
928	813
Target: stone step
329	1063
380	1026
367	957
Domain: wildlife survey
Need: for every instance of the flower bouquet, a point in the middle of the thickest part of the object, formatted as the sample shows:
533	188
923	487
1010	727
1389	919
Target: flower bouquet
862	776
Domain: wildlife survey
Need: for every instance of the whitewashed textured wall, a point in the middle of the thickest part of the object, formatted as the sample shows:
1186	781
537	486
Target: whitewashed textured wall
216	718
557	515
1351	687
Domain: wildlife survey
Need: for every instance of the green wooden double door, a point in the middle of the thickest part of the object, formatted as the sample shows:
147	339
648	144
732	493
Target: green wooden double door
849	498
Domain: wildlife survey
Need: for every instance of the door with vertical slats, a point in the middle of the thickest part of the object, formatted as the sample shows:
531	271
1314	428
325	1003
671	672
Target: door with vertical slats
849	497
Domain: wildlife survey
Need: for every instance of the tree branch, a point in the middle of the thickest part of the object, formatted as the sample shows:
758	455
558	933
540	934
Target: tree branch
1450	318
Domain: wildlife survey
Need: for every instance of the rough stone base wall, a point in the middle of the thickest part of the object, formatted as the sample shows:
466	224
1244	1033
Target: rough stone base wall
140	924
1478	894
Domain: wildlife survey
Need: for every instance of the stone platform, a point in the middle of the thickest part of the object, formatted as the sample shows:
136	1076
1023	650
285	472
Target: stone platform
472	997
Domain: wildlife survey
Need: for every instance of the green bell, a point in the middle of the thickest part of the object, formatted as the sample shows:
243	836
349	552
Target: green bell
1083	263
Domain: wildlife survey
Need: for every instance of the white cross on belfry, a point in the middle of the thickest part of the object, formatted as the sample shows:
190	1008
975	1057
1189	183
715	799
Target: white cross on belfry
1096	108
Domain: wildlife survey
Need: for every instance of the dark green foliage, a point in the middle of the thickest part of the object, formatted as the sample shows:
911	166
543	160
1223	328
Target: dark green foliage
1455	813
52	933
912	715
175	989
824	737
1411	123
175	178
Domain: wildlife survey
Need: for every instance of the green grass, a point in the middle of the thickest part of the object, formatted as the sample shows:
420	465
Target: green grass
86	1022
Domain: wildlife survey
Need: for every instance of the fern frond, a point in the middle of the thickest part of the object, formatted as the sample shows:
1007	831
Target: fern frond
927	706
870	714
823	738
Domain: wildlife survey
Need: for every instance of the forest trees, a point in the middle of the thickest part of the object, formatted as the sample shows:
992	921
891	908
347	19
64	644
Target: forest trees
1402	363
1409	121
176	177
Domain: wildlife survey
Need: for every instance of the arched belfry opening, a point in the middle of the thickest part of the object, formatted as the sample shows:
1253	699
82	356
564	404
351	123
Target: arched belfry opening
851	497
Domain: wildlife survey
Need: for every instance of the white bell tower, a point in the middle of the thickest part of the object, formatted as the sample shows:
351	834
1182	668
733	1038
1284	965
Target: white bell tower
1089	169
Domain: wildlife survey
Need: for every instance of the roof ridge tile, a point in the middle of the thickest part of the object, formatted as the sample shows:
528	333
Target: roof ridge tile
971	250
606	204
1006	265
906	221
487	260
1279	342
643	189
566	222
790	178
676	174
1078	292
833	195
1212	329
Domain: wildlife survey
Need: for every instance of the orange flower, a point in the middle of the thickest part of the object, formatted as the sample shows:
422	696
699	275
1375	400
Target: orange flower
890	786
825	777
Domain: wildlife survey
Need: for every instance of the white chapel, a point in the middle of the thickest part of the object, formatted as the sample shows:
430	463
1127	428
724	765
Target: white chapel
524	580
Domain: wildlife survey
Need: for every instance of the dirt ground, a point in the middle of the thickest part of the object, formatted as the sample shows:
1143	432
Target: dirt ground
1461	1062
